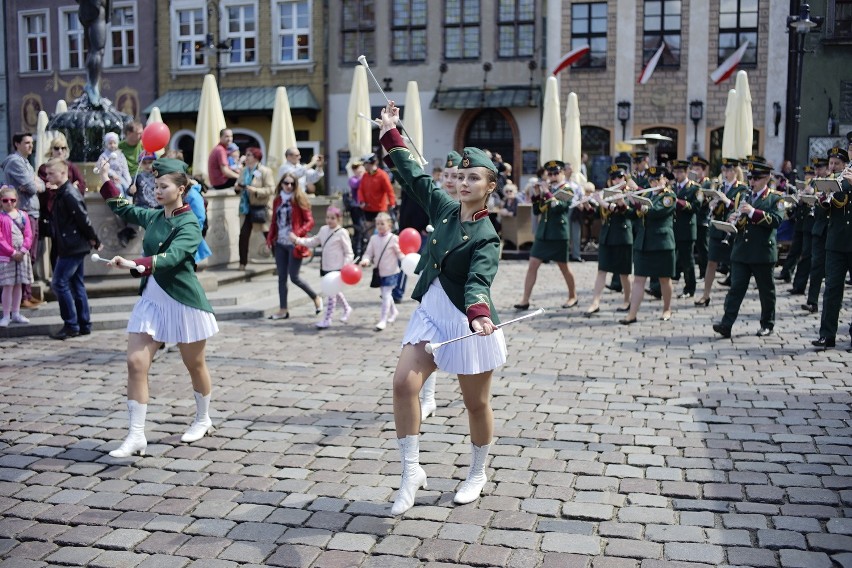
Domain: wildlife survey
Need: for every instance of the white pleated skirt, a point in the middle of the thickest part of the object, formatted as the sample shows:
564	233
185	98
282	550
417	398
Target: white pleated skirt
167	320
437	320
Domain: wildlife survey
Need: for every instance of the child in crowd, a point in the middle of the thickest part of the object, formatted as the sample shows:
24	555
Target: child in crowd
16	269
195	201
383	251
119	172
144	183
336	253
235	162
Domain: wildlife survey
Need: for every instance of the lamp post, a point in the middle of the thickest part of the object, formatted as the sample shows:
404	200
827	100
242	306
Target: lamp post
696	113
217	47
623	115
799	24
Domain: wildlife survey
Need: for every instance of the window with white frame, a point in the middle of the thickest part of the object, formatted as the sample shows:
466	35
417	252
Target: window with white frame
34	40
294	31
72	46
123	36
241	29
190	36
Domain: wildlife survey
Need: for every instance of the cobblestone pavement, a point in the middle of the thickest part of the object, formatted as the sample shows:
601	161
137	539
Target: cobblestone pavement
649	446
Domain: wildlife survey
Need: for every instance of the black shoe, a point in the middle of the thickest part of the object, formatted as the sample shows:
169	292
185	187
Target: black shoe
725	282
703	302
627	321
785	277
656	295
575	259
764	331
686	295
522	306
613	288
64	333
794	292
824	342
723	269
85	331
810	308
722	330
397	300
590	313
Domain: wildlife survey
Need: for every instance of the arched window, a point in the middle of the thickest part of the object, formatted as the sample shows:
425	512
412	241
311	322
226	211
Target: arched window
716	156
664	146
596	144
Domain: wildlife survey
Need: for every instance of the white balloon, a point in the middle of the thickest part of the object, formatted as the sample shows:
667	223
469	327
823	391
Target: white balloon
409	263
331	284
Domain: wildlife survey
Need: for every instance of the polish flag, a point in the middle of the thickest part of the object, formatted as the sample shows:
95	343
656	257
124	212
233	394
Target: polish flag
652	64
571	57
727	68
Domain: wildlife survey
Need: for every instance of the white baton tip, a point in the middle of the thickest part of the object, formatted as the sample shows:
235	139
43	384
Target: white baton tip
430	348
362	59
95	256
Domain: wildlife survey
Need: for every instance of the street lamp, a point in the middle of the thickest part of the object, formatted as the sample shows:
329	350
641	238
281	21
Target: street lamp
221	47
801	24
696	113
623	116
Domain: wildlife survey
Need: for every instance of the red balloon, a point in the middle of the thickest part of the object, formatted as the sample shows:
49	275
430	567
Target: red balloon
409	241
350	274
155	137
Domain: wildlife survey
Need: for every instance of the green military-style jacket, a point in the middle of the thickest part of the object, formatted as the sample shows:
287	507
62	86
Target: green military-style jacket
463	255
756	241
616	227
641	179
839	209
169	247
552	216
721	212
688	203
820	223
655	227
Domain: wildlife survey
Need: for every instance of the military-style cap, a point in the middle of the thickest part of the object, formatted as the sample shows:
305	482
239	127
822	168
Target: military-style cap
758	169
554	165
165	166
819	162
837	152
639	155
808	170
369	158
730	162
679	164
476	158
756	158
453	159
656	172
699	160
617	170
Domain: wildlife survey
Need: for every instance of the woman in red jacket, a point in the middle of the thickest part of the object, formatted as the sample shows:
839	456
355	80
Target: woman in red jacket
291	212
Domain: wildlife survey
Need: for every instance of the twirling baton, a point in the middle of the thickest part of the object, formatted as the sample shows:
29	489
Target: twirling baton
363	61
432	347
126	264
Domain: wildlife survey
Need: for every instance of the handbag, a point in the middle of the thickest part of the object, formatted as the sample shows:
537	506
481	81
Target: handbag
258	214
376	280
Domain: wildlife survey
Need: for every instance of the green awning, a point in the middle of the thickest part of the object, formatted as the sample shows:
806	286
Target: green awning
487	97
238	100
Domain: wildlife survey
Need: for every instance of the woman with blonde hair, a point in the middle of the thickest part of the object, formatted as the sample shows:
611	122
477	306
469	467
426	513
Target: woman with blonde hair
291	213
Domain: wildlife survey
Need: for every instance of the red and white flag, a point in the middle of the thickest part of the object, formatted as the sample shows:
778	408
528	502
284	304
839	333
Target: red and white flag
727	68
571	57
652	64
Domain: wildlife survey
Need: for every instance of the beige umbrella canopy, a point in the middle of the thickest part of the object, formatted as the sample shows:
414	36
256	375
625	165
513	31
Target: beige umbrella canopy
360	137
43	139
282	134
413	119
729	149
154	116
61	106
551	124
744	125
572	141
211	120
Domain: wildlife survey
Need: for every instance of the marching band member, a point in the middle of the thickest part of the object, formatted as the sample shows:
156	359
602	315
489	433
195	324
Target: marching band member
719	250
803	214
699	169
688	201
755	251
552	205
653	244
820	225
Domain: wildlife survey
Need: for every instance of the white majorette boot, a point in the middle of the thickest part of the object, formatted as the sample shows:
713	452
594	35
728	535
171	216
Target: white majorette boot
202	423
135	441
427	397
471	487
413	476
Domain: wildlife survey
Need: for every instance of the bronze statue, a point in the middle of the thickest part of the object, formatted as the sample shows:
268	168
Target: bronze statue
94	15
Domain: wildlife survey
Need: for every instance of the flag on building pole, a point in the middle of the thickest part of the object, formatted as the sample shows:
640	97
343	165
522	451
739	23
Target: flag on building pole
727	68
652	64
571	57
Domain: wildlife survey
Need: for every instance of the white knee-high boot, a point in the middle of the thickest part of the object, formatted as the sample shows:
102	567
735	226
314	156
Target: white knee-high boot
135	441
427	397
202	423
413	476
471	487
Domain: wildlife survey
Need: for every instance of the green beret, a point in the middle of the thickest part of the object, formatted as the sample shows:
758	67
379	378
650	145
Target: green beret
679	165
453	159
476	158
554	165
730	162
837	152
165	166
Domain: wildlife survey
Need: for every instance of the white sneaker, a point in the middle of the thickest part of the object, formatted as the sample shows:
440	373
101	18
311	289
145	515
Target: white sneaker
379	326
323	324
4	321
18	318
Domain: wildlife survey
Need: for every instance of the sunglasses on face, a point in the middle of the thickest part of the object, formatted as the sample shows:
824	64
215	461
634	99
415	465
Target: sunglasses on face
9	200
288	183
60	147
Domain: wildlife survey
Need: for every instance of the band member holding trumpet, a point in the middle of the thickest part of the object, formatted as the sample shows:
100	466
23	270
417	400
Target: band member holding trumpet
456	272
615	243
803	215
551	202
721	209
688	202
838	250
817	273
653	243
698	169
755	250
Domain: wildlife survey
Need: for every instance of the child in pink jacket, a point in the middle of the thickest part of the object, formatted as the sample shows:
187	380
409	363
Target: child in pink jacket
383	251
16	269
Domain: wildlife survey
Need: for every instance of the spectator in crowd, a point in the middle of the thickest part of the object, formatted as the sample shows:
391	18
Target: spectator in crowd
144	183
529	193
584	160
575	216
219	172
355	211
235	161
118	167
383	252
74	238
437	174
255	186
131	146
412	216
510	201
195	201
58	149
19	174
16	240
375	192
307	174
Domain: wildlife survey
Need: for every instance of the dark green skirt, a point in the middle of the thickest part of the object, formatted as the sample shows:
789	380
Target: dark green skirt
617	259
547	250
659	263
719	252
